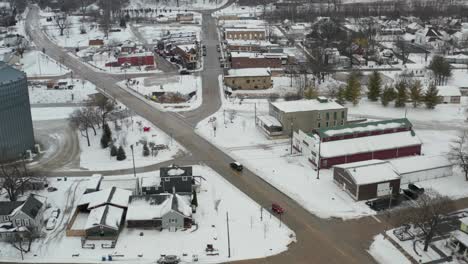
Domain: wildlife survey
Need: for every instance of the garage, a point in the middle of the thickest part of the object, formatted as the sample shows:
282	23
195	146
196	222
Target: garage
366	180
422	168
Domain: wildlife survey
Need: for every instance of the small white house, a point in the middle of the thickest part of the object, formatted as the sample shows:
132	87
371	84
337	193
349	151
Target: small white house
449	94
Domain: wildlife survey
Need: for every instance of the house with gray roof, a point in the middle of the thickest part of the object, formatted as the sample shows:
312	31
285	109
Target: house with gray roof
19	215
171	179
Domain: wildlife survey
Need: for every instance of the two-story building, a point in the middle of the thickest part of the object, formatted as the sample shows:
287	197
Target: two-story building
171	179
306	115
245	33
248	79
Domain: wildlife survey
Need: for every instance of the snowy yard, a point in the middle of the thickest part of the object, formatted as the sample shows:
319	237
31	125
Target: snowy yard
72	36
385	253
37	64
40	94
249	236
130	132
188	86
51	113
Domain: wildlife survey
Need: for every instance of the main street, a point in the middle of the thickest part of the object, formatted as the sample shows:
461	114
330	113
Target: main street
318	240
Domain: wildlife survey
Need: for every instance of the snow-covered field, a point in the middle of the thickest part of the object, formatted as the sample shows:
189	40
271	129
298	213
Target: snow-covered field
39	94
37	64
177	4
183	84
385	253
72	36
293	174
130	133
249	236
51	113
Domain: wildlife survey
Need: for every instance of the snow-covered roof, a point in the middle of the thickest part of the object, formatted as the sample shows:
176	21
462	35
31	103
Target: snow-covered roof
94	181
448	91
114	196
245	42
305	105
462	237
371	171
156	206
250	72
150	181
419	163
368	144
269	121
464	220
364	127
175	172
252	29
253	55
108	215
132	55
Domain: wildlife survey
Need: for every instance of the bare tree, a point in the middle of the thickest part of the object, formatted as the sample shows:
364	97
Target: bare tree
14	178
62	22
459	152
427	213
104	105
83	119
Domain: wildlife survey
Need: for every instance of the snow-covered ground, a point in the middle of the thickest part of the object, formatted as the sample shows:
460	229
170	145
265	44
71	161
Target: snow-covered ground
130	133
153	33
51	113
37	64
183	84
250	237
271	160
72	36
39	94
385	253
238	10
177	4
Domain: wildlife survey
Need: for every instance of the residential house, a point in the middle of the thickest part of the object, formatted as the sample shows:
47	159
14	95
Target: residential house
162	211
458	241
248	79
20	216
96	42
449	94
413	27
171	179
429	37
307	115
104	223
366	180
387	139
457	59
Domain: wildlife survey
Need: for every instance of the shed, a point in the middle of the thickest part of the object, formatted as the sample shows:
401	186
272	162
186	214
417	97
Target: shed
104	222
422	168
367	179
449	94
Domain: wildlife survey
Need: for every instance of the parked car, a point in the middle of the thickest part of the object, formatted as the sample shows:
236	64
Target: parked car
277	208
55	213
237	166
416	188
51	223
51	189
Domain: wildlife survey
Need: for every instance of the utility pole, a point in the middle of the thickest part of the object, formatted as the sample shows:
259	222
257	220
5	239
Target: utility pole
229	239
133	157
292	133
255	107
318	162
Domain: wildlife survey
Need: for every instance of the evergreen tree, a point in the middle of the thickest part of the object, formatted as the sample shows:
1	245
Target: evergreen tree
121	154
401	96
106	136
341	96
113	151
311	92
146	150
441	69
430	96
375	86
194	198
388	95
353	89
415	93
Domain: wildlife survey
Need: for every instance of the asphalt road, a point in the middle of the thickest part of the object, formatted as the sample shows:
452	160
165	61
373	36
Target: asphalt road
318	240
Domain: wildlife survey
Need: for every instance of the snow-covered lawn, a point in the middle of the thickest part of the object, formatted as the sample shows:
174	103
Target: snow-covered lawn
183	84
131	132
249	236
39	94
177	4
72	36
235	9
385	253
38	64
51	113
153	33
293	174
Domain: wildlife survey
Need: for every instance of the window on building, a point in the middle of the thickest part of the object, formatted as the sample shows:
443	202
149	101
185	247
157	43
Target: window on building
342	122
327	116
247	81
326	124
318	125
335	115
167	179
18	222
184	178
305	143
342	114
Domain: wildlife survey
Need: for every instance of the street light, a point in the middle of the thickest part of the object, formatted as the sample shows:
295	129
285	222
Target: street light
133	157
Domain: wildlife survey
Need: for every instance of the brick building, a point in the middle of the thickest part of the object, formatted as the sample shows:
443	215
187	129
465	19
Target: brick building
240	60
253	78
245	33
